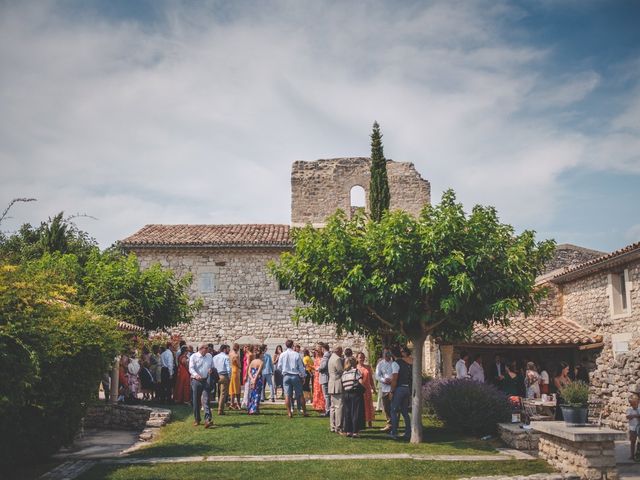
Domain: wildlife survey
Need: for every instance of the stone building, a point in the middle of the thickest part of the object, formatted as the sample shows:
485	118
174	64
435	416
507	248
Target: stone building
229	262
591	316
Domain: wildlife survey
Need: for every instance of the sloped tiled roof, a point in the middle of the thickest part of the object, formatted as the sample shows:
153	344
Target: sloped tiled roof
238	235
122	325
534	331
629	252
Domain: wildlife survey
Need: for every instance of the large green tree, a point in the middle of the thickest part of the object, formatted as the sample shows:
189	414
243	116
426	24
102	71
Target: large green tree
379	196
433	275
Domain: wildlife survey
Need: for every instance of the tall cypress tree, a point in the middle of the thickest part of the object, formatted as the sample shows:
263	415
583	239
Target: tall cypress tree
379	186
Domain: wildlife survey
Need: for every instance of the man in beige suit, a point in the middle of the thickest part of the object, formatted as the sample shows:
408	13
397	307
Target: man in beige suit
335	389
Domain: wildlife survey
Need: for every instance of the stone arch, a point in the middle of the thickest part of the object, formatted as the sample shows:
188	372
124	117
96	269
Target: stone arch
321	187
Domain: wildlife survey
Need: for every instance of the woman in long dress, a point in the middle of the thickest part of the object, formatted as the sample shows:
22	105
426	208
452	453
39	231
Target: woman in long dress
234	381
307	361
182	388
277	373
318	396
369	388
255	381
248	358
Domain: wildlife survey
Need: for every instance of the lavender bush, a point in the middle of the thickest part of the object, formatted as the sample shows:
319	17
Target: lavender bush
468	406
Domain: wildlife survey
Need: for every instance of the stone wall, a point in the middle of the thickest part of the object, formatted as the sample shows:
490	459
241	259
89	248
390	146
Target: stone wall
124	417
586	301
590	460
246	299
567	254
514	436
319	188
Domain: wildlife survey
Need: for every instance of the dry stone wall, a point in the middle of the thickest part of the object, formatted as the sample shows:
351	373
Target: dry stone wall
246	299
567	255
586	301
321	187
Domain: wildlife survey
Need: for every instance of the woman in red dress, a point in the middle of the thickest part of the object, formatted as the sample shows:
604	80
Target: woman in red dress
369	388
182	388
318	397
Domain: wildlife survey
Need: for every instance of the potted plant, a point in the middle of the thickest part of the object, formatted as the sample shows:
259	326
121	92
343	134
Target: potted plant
574	408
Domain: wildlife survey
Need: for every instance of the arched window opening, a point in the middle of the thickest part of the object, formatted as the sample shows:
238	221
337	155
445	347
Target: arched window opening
358	197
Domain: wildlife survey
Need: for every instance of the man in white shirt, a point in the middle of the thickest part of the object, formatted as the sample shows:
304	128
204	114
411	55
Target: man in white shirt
200	365
461	366
166	373
476	372
384	375
292	368
222	364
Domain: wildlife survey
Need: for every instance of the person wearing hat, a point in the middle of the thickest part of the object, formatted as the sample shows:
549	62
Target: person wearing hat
384	374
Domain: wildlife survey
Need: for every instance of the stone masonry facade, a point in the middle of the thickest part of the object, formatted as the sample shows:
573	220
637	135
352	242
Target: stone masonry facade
590	460
246	299
321	187
587	301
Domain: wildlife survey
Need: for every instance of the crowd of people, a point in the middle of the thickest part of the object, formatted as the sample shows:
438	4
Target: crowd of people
525	379
338	384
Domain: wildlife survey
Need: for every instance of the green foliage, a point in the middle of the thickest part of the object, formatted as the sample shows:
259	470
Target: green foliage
60	298
54	235
153	298
575	394
379	196
54	355
437	274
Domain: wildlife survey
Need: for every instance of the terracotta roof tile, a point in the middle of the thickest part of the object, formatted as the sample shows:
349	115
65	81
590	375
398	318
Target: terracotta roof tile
534	330
122	325
238	235
247	235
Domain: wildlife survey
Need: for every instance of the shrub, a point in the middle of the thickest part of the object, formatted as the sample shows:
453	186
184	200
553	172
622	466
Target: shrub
575	394
54	355
466	405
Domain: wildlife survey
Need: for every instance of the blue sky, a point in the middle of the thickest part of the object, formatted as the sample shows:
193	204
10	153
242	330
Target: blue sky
192	112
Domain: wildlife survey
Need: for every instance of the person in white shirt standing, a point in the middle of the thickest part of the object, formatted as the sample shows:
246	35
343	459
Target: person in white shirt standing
222	364
290	363
476	372
461	365
200	367
166	374
384	375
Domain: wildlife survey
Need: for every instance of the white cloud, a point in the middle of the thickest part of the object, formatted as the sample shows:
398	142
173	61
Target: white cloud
199	119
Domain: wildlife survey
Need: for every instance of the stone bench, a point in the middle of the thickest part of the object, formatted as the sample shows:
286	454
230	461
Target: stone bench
517	437
585	450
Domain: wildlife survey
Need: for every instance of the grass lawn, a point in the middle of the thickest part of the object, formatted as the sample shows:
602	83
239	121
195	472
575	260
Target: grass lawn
272	433
360	470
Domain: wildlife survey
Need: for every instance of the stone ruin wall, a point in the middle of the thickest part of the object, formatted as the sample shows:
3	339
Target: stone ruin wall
586	301
247	300
321	187
566	255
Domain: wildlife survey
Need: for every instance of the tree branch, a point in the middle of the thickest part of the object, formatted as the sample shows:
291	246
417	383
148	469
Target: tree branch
15	200
433	327
379	318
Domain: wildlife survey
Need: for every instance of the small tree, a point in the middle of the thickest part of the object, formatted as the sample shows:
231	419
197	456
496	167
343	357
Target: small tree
437	274
379	197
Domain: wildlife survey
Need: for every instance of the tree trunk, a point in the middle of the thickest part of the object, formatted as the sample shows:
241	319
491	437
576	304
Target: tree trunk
416	396
115	377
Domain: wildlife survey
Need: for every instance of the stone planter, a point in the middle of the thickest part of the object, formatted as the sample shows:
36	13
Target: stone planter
574	416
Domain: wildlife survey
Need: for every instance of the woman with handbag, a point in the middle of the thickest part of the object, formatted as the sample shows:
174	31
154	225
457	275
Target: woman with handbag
353	391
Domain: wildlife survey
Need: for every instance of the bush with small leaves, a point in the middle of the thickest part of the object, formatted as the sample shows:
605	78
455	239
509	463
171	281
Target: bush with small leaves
467	406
